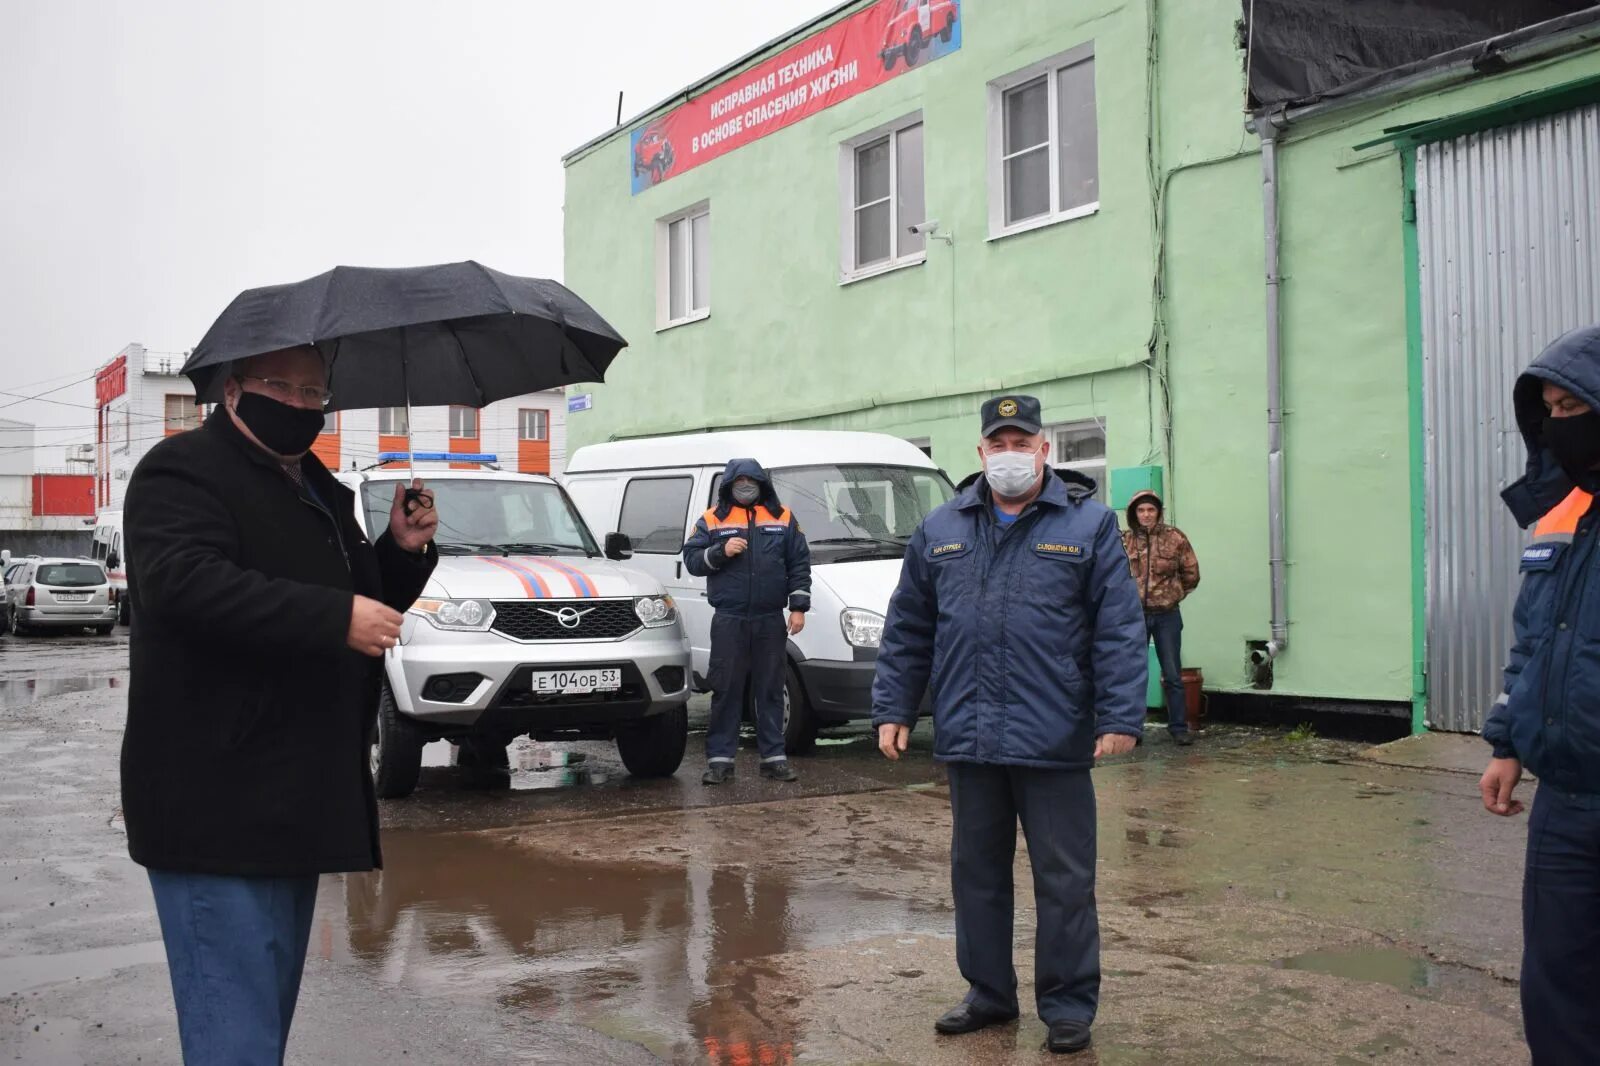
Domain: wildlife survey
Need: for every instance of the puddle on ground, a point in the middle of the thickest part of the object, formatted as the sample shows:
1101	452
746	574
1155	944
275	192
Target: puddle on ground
1388	966
19	692
663	953
535	767
23	972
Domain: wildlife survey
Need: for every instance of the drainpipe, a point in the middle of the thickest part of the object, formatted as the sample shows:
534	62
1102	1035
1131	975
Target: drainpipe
1263	655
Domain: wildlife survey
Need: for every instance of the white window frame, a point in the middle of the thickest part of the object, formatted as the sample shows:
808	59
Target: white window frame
188	417
1049	69
477	423
848	271
522	421
664	319
1098	468
396	416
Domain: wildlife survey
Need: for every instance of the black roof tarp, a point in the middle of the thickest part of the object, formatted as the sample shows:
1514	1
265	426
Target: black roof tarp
1303	50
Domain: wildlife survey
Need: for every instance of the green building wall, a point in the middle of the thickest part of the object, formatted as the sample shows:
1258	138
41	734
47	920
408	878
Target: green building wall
1070	312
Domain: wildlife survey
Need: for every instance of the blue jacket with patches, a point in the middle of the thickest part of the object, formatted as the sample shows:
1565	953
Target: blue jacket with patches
773	573
1549	713
1031	638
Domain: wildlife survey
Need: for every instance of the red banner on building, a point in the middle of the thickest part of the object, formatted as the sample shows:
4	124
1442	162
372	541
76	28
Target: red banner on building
846	59
111	381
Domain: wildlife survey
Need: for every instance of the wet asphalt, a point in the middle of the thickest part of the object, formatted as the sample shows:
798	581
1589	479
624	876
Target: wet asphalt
1262	899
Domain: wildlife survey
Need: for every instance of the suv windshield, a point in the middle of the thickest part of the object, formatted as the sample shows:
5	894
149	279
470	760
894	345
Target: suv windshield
71	575
483	516
857	512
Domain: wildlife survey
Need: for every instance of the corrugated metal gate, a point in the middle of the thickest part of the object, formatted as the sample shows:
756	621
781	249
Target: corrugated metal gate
1508	227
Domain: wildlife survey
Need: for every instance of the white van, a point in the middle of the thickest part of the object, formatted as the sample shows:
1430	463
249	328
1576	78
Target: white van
858	497
111	553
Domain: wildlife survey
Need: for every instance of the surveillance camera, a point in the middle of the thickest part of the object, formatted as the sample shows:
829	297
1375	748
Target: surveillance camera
925	228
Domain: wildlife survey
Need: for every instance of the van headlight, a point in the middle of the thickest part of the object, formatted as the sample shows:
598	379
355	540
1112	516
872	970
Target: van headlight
656	611
468	616
862	629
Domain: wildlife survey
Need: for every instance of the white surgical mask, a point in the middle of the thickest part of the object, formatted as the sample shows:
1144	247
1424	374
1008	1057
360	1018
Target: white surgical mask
1011	474
746	494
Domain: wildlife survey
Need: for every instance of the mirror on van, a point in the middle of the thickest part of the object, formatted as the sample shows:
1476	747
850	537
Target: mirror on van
113	561
619	546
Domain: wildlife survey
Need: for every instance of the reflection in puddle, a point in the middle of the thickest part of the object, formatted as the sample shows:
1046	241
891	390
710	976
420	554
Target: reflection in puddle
19	692
1388	966
661	954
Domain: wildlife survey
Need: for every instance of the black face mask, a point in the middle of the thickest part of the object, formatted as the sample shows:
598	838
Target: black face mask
283	429
1575	442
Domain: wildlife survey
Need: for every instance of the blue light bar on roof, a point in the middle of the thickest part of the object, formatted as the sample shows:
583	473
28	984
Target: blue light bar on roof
437	457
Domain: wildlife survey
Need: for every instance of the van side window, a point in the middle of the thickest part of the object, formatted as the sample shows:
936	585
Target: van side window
654	513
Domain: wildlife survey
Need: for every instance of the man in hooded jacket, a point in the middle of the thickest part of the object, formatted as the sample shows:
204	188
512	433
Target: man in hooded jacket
1547	720
1166	570
756	564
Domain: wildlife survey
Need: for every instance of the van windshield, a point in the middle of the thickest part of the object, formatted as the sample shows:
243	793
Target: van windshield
486	516
852	513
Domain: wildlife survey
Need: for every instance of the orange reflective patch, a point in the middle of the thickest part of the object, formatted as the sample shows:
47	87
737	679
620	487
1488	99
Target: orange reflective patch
740	518
1564	517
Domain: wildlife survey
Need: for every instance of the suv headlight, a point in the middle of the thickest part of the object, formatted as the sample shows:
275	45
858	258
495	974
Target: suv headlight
862	629
656	611
471	616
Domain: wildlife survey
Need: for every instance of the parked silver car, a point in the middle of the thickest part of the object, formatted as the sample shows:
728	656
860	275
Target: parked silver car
526	629
59	594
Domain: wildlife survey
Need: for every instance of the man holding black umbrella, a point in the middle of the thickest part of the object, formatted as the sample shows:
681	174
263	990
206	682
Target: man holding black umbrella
261	615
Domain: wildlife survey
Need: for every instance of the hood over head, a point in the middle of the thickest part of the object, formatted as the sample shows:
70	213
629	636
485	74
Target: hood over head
736	469
1145	496
1572	362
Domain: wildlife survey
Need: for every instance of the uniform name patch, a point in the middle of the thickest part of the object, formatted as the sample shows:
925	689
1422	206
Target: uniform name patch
946	549
1059	549
1538	553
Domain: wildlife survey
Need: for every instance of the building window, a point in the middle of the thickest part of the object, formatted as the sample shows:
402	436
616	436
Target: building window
1043	144
181	414
533	424
392	422
882	175
330	423
1080	446
464	423
683	267
655	512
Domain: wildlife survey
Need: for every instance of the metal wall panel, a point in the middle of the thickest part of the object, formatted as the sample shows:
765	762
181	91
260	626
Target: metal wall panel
1508	226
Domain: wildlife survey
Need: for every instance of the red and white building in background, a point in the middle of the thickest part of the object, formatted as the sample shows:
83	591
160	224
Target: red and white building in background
142	397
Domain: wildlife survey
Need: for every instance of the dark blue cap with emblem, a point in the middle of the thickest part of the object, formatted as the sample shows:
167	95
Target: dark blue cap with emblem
1011	412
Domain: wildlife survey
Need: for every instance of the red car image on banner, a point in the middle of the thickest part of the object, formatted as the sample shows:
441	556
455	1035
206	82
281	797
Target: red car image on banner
850	57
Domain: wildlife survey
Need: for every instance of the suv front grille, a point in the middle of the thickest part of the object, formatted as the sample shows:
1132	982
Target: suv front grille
541	619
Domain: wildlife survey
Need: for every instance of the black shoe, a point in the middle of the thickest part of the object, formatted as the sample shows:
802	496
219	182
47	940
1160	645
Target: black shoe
969	1018
1183	740
779	771
718	773
1068	1038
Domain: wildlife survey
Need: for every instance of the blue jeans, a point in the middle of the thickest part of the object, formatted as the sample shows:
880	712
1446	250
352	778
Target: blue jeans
236	947
1561	928
1166	627
1056	808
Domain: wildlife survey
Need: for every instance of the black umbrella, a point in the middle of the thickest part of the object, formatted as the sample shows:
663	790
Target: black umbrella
459	333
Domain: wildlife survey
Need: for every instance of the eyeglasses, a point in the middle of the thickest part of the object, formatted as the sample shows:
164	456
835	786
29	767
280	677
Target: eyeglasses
288	390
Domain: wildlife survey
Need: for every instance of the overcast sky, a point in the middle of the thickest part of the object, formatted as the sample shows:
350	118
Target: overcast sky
157	156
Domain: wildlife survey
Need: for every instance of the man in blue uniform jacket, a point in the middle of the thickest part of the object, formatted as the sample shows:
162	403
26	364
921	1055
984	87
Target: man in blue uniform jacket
1017	609
754	558
1548	718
